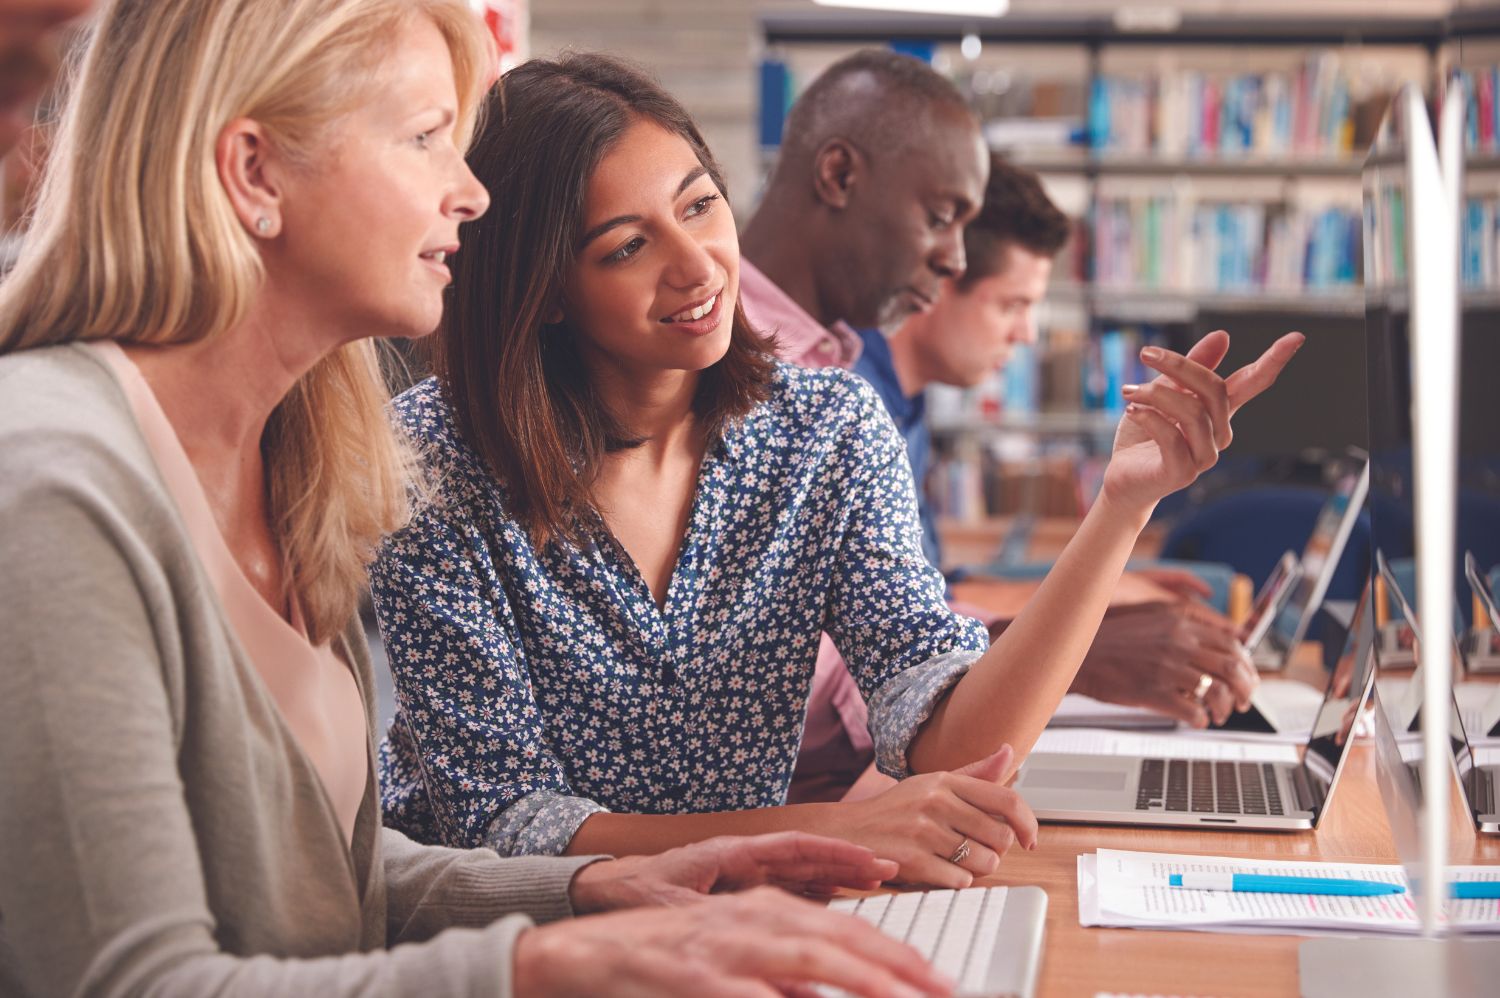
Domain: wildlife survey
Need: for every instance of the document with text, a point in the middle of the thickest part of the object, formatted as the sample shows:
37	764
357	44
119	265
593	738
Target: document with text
1129	890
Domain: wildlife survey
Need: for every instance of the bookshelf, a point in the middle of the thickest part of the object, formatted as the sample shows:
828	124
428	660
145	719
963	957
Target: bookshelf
1213	170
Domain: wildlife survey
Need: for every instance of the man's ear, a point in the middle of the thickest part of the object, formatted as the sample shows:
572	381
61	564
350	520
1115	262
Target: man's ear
838	167
251	176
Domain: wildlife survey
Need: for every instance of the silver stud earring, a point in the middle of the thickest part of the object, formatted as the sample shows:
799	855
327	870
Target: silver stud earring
262	225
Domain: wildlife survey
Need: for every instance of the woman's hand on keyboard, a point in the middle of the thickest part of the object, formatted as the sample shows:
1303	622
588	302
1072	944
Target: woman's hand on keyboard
757	944
796	861
922	822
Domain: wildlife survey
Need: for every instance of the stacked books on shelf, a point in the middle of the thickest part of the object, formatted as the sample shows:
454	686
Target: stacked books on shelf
1112	360
1479	261
1035	436
1173	240
1385	219
1482	127
972	481
1188	113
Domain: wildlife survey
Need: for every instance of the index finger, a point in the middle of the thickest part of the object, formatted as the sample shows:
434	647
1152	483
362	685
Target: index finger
1254	378
1000	802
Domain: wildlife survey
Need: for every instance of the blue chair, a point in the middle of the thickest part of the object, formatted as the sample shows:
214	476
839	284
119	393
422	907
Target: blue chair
1249	529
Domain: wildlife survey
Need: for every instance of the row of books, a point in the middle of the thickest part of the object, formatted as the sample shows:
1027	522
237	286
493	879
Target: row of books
1482	124
1173	242
1479	243
973	482
1385	220
1190	113
1479	239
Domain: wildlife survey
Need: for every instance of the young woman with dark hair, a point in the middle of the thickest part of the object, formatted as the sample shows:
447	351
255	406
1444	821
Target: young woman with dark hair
603	623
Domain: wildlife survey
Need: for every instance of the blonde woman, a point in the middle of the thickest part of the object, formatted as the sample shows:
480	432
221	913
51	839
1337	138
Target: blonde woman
195	464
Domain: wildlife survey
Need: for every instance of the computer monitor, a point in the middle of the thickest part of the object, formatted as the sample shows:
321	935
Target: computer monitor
1411	287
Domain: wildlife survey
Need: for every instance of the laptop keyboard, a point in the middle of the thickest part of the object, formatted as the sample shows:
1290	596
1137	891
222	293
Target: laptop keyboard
1200	786
955	930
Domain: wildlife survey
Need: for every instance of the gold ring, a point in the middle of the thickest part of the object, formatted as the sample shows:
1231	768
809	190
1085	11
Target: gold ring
1201	690
960	854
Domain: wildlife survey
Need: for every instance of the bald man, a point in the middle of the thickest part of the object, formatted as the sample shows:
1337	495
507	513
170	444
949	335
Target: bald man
881	165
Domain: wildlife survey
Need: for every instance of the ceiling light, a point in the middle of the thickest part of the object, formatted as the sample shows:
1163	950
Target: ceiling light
961	8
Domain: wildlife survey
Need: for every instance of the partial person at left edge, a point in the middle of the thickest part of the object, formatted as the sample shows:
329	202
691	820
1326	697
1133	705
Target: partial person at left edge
28	38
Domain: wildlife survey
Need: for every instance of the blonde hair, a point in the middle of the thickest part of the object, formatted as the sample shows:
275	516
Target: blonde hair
134	238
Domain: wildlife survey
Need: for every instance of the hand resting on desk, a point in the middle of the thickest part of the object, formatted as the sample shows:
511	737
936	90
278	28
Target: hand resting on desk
1154	644
921	821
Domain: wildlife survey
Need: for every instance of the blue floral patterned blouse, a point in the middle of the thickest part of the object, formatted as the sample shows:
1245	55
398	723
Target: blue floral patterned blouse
537	687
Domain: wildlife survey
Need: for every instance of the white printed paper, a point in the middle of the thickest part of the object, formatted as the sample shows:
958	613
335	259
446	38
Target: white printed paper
1120	888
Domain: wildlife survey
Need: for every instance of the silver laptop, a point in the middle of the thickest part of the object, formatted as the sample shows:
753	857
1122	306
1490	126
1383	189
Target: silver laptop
1287	628
1484	637
1320	559
988	939
1401	765
1283	632
1405	710
1280	586
1131	790
1399	743
1478	781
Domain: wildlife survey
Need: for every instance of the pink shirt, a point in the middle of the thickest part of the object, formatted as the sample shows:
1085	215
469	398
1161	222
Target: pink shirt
311	687
800	338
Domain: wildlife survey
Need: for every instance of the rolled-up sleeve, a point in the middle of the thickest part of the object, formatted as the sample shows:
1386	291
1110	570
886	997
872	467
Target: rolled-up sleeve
905	647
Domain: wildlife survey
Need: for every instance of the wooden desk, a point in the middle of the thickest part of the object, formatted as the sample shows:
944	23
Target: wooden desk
977	542
1006	597
1081	961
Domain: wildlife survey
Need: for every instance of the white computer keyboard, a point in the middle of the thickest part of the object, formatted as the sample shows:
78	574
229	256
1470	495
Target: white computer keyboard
964	933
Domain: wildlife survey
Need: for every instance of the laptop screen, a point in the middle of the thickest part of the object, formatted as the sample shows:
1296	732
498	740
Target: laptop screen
1320	559
1270	601
1330	738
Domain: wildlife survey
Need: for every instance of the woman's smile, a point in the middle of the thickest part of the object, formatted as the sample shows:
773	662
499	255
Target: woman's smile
701	317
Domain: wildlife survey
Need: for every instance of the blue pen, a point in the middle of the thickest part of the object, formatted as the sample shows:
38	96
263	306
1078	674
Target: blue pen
1254	883
1476	889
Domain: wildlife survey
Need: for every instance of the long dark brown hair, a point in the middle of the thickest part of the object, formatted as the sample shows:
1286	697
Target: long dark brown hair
517	384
